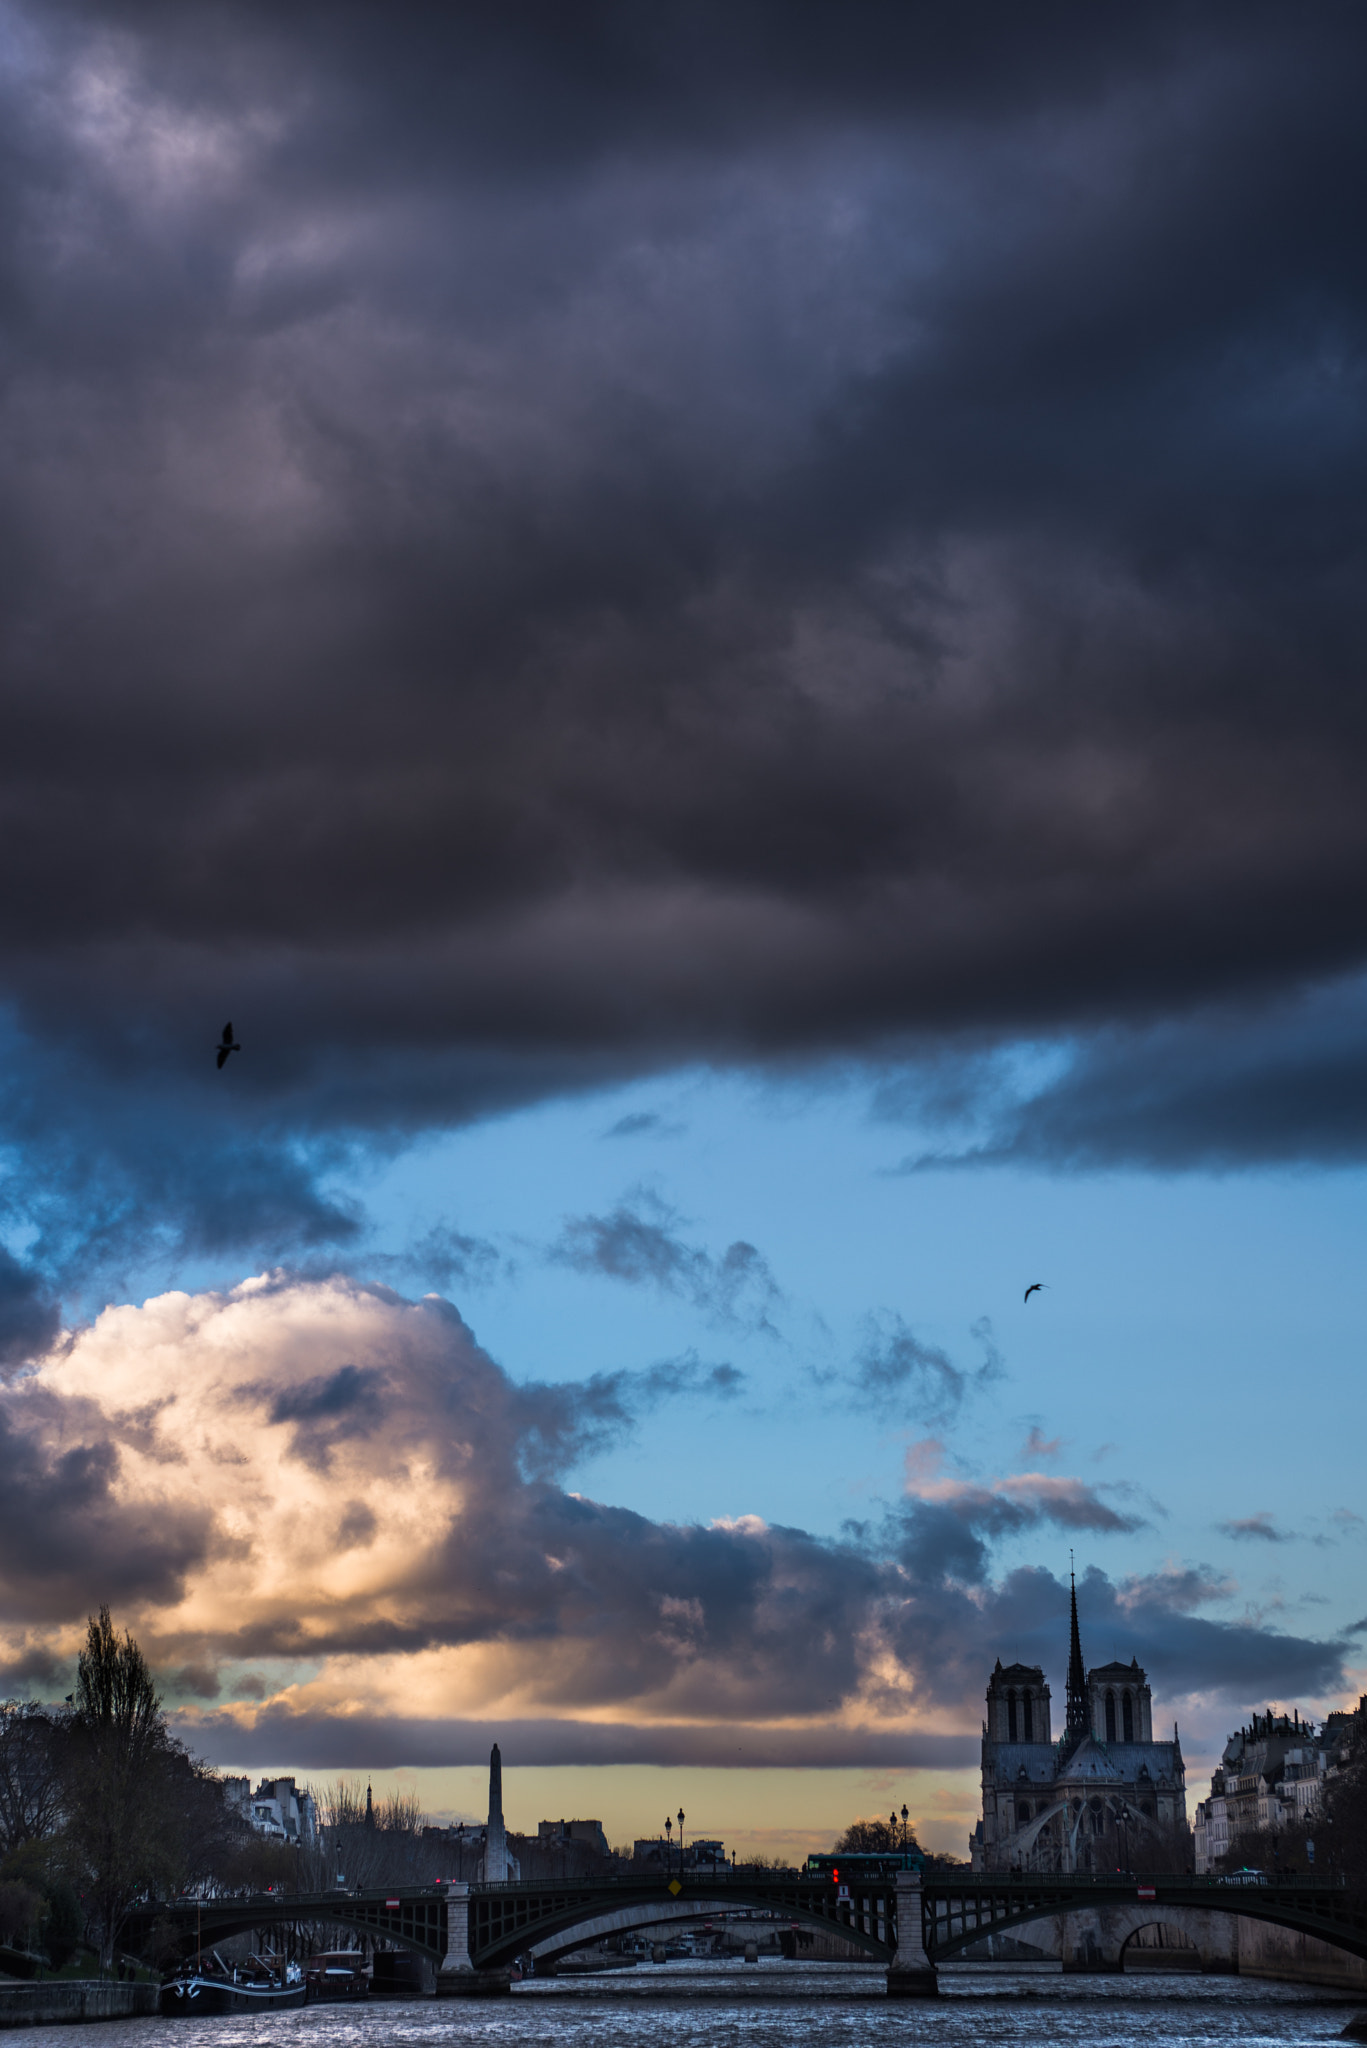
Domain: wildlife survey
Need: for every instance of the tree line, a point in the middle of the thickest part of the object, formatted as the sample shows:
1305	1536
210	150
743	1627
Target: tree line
890	1837
100	1805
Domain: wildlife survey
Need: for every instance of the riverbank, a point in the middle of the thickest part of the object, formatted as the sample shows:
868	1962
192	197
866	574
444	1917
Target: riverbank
55	2003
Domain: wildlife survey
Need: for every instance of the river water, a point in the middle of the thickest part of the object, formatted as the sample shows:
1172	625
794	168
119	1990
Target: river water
777	2005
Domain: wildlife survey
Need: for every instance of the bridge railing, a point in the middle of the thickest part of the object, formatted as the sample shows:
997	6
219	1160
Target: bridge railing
742	1879
1126	1880
933	1883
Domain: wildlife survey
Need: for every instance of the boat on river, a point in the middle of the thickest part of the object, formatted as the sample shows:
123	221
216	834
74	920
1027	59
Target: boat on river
196	1994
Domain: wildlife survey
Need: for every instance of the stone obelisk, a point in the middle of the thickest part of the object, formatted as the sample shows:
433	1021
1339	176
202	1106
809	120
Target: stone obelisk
495	1839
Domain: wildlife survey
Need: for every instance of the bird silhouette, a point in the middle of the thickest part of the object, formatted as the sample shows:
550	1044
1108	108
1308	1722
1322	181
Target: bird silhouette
228	1045
1034	1288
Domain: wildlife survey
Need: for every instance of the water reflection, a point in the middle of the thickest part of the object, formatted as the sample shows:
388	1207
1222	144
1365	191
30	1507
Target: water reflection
776	2005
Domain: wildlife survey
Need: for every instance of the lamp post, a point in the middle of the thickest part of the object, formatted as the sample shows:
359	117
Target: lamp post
904	1827
681	1841
669	1839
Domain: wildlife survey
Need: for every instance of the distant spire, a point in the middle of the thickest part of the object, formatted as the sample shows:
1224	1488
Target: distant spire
1075	1724
369	1807
495	1835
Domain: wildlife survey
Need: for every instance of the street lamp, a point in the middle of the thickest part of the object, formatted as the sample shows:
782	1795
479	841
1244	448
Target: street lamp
904	1827
669	1837
681	1841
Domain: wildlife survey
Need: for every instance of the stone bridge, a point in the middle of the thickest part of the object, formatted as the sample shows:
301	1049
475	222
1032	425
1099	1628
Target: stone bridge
473	1933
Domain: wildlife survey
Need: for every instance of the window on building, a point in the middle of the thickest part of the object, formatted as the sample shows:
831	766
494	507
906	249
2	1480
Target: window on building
1128	1711
1011	1716
1022	1812
1027	1733
1110	1717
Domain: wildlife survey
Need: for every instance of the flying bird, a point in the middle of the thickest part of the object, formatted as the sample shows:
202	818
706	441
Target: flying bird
1033	1288
229	1044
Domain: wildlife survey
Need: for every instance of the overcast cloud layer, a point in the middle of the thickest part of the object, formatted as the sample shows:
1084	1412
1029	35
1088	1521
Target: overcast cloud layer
539	546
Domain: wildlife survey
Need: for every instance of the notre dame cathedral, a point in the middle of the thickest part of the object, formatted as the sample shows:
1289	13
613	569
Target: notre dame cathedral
1105	1795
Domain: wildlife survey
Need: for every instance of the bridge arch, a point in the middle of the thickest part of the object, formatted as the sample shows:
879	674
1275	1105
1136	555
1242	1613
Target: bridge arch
419	1926
1100	1934
678	1913
1089	1926
1181	1921
864	1922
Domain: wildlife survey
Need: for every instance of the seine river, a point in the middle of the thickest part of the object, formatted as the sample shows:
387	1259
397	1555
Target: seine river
776	2005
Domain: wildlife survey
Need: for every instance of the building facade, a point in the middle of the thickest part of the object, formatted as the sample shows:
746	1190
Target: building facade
1271	1777
587	1832
277	1809
1105	1795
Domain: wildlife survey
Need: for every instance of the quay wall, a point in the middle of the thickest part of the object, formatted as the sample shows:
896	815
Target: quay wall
1268	1951
1109	1939
68	2002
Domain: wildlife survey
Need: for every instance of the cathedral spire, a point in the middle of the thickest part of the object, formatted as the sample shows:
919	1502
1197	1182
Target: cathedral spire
1075	1726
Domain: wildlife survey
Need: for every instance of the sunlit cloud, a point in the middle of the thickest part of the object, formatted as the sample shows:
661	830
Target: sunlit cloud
321	1503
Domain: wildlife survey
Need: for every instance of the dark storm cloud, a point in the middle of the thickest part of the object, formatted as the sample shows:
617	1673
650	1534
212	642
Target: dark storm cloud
640	1242
955	1629
33	1673
193	1681
540	552
29	1320
950	1528
362	1741
1283	1080
67	1539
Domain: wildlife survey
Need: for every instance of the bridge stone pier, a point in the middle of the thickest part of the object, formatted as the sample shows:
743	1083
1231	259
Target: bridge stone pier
458	1977
911	1974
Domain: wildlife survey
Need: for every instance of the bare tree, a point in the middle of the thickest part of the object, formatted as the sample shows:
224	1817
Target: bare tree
32	1756
374	1845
